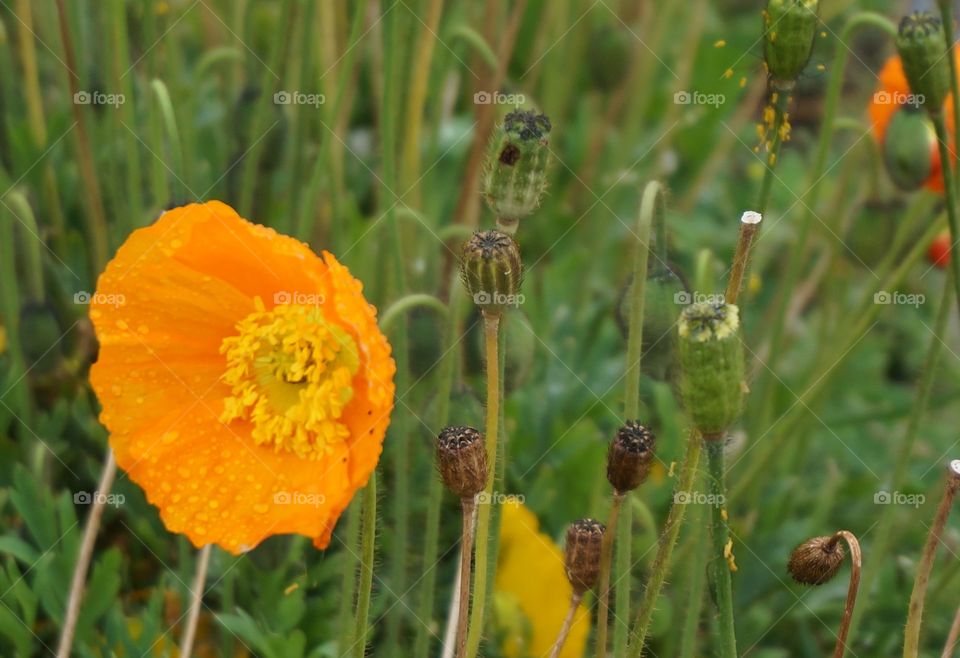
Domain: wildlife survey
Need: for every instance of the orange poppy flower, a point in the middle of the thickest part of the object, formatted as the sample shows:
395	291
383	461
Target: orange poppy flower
243	379
891	92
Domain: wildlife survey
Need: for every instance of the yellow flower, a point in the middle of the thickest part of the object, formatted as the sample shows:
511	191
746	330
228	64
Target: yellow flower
532	592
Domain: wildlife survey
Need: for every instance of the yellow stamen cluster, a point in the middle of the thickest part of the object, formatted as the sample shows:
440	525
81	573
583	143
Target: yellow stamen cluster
291	374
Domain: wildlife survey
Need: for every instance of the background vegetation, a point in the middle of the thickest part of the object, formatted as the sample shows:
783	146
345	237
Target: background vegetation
384	128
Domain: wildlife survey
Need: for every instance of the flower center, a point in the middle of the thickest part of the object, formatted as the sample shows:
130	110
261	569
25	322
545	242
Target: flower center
290	373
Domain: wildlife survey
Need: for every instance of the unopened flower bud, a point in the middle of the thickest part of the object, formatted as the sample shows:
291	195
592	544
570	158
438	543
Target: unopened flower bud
515	175
816	561
462	460
629	457
491	270
910	148
711	365
582	555
923	51
790	27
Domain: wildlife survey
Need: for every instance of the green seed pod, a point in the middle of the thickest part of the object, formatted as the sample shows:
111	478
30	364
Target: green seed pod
909	148
789	28
711	365
492	271
923	51
515	175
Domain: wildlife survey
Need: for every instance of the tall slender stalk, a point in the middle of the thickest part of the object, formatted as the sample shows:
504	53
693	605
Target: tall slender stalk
911	636
491	327
84	555
606	557
946	18
950	189
468	506
368	536
95	214
667	542
421	644
780	99
567	625
652	212
196	601
720	534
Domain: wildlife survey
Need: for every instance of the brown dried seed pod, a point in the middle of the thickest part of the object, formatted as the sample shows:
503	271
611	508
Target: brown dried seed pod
462	460
629	457
582	558
816	561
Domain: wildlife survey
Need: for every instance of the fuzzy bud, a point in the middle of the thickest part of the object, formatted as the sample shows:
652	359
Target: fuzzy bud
910	148
462	460
711	365
629	457
816	561
491	270
582	556
789	27
923	51
515	175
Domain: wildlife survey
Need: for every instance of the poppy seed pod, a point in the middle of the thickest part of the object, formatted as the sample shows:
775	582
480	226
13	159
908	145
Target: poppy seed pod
491	270
629	457
922	48
711	365
582	555
910	148
789	28
816	561
515	175
462	460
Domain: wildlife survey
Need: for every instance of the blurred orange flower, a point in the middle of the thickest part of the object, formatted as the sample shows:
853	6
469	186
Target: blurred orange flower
892	91
244	381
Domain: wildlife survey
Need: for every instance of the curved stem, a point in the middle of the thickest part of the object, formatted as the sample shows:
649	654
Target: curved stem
911	636
466	558
652	211
567	625
667	542
368	537
408	303
491	330
720	533
98	505
196	601
856	565
606	557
